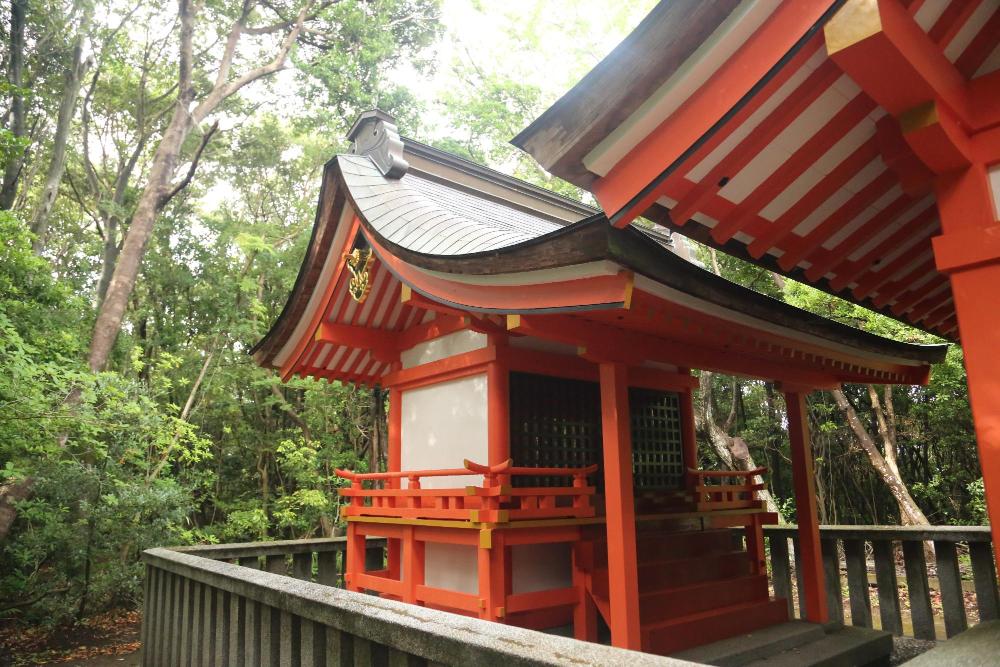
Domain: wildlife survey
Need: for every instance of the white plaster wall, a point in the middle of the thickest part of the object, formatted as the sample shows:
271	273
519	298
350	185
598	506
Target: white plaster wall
444	424
443	347
539	567
451	566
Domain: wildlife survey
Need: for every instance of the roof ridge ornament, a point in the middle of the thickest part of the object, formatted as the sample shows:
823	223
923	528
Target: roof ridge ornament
375	134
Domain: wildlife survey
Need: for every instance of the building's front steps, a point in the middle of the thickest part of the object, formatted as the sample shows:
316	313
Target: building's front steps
796	644
695	587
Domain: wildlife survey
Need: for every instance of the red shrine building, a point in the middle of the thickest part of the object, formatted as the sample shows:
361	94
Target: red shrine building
538	353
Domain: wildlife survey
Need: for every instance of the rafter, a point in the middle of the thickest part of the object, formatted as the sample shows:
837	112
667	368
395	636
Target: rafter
833	131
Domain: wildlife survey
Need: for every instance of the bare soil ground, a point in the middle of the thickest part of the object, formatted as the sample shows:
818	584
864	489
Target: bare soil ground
103	640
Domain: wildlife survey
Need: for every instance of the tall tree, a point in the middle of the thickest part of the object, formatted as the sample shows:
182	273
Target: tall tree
15	79
884	463
76	69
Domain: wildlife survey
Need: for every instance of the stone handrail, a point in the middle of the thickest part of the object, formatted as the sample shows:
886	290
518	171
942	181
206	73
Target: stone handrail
202	609
853	542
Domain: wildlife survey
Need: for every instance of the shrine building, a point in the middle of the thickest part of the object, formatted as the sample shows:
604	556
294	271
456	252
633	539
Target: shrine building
542	463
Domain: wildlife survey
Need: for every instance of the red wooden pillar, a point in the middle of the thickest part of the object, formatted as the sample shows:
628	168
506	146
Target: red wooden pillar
804	478
413	564
689	440
969	252
394	546
623	580
498	395
585	611
354	557
492	573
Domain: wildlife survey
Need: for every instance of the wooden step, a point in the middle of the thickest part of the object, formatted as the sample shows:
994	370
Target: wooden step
763	643
681	571
661	605
847	647
677	634
683	544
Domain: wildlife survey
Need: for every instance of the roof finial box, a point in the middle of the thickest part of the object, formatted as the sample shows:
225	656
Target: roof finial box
374	134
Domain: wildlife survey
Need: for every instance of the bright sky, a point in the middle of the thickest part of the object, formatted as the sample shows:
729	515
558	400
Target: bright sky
548	43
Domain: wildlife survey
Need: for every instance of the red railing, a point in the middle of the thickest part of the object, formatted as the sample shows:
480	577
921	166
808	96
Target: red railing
716	490
495	501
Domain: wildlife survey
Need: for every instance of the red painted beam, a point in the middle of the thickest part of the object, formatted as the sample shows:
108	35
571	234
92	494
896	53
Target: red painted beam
890	56
919	227
875	279
798	247
623	192
819	193
842	122
915	295
882	219
980	48
887	293
779	119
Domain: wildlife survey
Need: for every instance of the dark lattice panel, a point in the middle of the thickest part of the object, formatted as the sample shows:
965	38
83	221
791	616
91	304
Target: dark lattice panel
657	454
554	422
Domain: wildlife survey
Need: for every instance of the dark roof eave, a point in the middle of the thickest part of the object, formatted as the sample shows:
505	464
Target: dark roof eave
593	239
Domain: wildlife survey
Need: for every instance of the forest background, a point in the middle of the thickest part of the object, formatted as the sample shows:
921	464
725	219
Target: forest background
160	171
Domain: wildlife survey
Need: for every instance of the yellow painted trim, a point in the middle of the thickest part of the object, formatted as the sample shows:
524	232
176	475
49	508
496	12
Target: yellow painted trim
513	321
629	288
405	293
856	21
486	538
921	116
438	523
544	523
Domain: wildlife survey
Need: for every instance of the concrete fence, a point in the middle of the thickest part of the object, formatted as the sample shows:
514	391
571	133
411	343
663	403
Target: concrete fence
276	604
959	551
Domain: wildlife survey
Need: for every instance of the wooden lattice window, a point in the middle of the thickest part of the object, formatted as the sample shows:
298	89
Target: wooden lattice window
657	453
556	422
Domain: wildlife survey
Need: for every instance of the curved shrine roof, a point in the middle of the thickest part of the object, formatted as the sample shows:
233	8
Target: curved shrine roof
450	237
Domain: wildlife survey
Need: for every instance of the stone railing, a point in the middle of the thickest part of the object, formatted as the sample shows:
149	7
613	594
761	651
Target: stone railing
859	546
276	603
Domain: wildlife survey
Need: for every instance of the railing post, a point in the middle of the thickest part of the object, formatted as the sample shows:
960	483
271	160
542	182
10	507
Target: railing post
918	590
781	574
984	578
857	583
888	587
950	583
831	575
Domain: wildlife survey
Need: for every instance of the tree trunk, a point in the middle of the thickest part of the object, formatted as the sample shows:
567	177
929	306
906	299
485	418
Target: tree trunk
67	106
734	452
158	190
123	278
15	76
10	494
909	512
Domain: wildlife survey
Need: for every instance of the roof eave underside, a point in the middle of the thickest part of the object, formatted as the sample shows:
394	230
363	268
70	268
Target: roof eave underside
588	242
858	247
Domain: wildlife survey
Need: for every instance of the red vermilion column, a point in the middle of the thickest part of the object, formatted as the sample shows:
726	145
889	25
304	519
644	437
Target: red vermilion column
803	476
619	500
498	395
394	546
689	441
968	250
